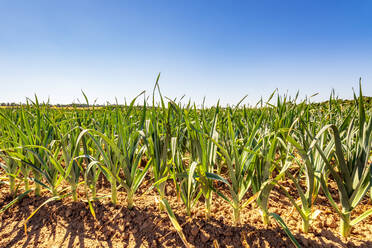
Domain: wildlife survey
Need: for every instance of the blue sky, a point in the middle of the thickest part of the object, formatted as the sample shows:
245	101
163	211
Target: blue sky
217	49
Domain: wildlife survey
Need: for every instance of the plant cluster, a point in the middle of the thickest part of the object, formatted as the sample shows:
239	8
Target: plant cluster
248	150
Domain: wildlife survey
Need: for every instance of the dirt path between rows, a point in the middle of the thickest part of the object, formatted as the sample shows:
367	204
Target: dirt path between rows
69	224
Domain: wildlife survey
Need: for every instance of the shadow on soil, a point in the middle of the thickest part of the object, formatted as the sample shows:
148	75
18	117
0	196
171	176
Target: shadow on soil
135	228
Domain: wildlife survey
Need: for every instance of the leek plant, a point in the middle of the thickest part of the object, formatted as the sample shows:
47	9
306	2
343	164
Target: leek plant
312	163
36	147
262	176
70	146
11	167
48	166
184	178
15	137
129	143
182	172
189	188
204	152
122	152
352	171
9	164
157	139
240	167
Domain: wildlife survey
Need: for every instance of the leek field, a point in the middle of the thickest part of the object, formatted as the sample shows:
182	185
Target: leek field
234	155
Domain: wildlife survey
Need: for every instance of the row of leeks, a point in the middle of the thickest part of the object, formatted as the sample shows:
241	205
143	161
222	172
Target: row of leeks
248	150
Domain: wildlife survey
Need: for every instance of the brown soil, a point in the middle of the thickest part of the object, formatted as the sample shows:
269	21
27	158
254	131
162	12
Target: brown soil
69	224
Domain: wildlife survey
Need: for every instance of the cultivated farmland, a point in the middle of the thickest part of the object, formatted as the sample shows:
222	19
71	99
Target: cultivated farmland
165	174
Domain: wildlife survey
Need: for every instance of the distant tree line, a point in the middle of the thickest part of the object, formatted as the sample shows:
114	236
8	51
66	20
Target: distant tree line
367	100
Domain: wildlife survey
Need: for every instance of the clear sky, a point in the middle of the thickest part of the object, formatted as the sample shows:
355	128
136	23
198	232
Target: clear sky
217	49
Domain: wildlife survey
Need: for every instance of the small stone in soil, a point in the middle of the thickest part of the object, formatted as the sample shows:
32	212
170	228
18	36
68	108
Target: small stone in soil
204	236
194	231
227	241
228	233
154	244
305	241
125	235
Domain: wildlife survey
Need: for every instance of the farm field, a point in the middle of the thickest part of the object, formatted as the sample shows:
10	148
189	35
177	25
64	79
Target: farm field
284	173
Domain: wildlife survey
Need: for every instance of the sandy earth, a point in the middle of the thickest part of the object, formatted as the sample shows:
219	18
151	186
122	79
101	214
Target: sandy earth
69	224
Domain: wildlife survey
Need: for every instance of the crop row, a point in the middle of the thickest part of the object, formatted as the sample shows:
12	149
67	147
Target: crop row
249	150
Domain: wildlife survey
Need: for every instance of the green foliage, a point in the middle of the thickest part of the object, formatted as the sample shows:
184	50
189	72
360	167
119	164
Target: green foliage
237	153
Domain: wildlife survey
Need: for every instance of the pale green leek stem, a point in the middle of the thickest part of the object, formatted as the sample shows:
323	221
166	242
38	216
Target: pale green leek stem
12	185
236	211
265	217
74	193
345	227
130	200
114	196
208	204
